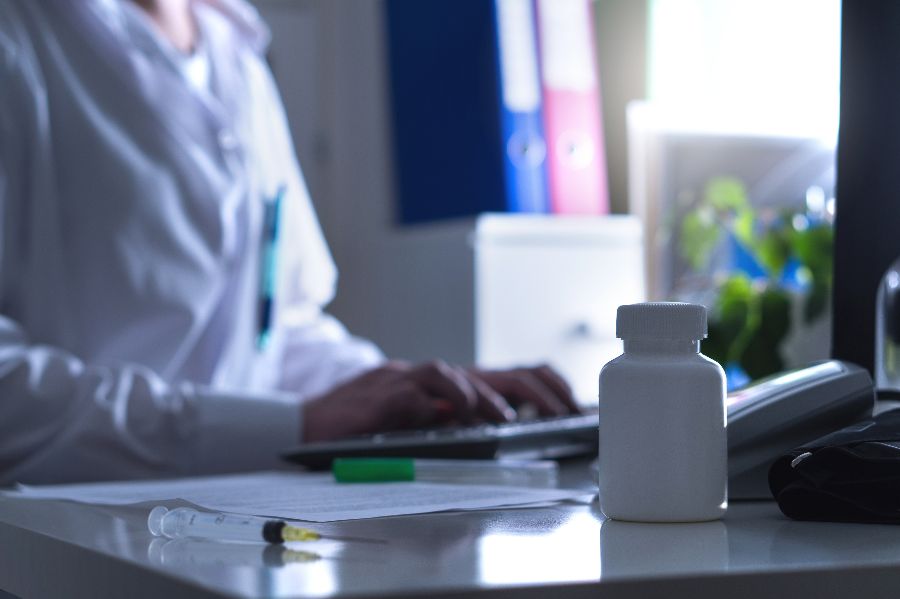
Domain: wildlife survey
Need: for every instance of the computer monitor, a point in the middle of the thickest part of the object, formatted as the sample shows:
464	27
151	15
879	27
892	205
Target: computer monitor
867	225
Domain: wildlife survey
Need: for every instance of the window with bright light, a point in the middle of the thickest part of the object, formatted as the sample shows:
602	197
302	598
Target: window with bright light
766	66
731	166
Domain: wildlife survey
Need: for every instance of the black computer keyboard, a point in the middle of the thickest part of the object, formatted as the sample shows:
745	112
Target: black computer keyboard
566	436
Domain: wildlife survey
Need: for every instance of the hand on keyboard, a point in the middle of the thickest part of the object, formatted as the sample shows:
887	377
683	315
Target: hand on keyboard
402	396
531	390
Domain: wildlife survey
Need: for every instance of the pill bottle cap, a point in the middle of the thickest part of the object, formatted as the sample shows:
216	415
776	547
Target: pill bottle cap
661	320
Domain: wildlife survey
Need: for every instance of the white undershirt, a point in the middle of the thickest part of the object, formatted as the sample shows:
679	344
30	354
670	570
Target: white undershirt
196	67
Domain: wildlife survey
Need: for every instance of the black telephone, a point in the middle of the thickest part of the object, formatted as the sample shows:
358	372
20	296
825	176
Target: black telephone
765	420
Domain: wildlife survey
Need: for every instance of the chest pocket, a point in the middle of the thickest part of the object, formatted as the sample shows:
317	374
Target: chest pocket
304	276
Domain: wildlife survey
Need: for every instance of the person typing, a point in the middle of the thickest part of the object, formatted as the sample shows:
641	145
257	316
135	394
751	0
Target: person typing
141	142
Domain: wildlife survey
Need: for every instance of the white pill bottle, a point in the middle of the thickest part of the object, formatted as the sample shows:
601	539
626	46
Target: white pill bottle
663	447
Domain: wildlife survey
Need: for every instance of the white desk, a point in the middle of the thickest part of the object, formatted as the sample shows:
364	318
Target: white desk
59	549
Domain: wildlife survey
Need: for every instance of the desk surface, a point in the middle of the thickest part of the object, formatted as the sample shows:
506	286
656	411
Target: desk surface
54	549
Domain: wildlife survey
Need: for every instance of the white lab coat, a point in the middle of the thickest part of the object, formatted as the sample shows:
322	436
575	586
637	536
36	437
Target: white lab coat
130	222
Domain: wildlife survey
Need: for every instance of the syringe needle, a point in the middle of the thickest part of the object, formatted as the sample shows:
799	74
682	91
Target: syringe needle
287	532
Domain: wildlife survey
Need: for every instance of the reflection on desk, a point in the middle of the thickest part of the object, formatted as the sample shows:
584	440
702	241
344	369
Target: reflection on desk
638	549
54	548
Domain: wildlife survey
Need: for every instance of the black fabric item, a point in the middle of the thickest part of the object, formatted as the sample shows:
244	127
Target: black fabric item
852	475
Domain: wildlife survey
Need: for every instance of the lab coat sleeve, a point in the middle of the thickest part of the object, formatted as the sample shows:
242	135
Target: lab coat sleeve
321	354
62	419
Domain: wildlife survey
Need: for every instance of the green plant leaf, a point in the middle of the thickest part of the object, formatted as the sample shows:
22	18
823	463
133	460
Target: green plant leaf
743	223
699	236
726	194
716	344
814	247
731	318
775	314
773	250
761	354
761	358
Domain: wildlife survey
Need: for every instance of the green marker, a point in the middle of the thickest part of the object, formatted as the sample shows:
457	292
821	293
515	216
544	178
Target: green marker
523	473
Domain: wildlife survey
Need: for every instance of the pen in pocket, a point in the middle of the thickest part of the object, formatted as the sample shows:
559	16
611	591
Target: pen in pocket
268	267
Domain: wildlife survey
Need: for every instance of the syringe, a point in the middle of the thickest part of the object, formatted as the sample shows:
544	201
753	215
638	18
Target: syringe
185	522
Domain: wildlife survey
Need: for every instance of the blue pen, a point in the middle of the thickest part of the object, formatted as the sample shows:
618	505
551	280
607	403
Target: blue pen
267	270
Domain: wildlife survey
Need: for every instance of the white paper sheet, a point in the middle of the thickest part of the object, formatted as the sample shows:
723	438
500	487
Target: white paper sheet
311	497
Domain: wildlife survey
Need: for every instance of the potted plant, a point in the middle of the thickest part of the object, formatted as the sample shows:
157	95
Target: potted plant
776	258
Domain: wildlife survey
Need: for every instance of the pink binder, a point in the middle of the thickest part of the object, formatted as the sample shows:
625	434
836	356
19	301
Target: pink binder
576	157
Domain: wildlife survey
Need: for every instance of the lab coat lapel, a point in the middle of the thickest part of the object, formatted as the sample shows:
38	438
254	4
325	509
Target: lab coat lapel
226	100
101	26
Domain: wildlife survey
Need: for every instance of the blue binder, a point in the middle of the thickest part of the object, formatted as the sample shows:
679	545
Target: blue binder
466	108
